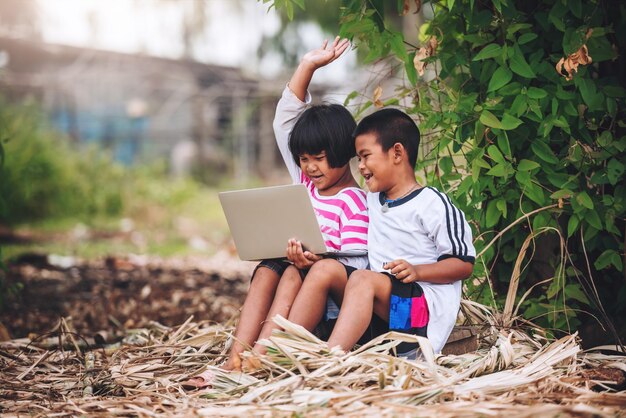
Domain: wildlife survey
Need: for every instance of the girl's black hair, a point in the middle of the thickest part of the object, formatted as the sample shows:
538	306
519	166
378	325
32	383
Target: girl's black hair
326	127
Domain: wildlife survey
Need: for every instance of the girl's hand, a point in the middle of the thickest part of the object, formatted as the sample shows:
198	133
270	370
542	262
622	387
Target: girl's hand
326	54
403	270
300	258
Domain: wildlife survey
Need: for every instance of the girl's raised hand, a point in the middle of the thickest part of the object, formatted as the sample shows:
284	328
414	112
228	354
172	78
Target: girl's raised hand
326	54
300	258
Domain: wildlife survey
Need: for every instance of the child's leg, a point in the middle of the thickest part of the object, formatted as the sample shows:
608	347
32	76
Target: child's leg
326	277
288	288
254	311
366	292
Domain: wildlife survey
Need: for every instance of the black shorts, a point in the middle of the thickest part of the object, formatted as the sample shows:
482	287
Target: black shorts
279	265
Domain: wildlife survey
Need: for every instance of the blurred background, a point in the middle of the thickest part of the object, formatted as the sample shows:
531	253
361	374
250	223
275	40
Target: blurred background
120	120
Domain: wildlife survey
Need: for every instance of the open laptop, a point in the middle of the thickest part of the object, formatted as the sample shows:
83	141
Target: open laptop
262	220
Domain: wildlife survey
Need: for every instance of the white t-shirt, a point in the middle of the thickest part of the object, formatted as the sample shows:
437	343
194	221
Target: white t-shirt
422	228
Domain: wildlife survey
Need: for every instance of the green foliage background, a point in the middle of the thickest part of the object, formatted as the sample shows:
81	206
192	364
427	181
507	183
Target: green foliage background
45	177
508	136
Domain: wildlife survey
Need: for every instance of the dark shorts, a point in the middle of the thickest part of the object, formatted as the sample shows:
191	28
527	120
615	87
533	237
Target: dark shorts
408	313
279	265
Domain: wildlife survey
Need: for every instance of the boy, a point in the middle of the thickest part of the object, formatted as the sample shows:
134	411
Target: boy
419	244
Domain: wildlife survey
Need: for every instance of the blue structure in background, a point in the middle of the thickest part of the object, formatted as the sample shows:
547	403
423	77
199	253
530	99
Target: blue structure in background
115	131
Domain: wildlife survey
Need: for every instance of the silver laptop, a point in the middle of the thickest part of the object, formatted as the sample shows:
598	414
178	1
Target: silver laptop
262	220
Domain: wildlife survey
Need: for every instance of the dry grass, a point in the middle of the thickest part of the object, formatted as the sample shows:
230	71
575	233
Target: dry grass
513	373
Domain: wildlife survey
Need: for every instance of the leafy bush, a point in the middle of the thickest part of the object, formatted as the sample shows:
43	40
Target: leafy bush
525	150
45	177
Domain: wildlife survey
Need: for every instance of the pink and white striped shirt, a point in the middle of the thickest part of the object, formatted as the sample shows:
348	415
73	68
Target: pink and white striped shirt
343	218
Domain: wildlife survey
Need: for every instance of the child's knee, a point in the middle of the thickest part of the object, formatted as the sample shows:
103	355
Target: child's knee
358	280
326	267
264	277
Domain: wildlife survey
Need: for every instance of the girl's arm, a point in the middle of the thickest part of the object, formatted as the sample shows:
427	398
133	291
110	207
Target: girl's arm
295	100
313	60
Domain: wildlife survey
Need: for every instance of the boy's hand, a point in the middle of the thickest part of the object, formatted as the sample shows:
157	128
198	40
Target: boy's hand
403	270
325	55
300	258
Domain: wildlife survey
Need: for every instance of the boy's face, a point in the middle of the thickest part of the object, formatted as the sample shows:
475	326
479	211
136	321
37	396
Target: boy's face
376	166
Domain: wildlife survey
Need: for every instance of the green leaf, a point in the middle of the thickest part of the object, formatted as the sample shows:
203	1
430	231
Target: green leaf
411	72
554	106
300	4
489	119
492	214
574	291
489	51
543	151
504	145
527	37
476	169
450	4
572	225
510	122
576	8
590	94
498	170
562	194
527	165
606	259
515	27
614	91
350	97
519	65
584	200
519	105
354	27
614	171
396	42
495	154
501	205
499	79
605	138
523	179
535	193
592	218
536	93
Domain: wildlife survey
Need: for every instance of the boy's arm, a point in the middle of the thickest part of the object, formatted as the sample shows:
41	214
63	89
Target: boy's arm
446	271
313	60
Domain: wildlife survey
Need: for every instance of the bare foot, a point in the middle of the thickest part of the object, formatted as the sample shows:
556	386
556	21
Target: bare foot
233	363
203	380
251	363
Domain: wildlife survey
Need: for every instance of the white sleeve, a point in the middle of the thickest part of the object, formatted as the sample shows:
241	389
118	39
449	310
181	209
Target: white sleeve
448	229
288	111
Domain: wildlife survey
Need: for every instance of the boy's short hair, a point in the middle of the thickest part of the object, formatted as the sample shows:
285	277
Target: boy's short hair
391	126
326	127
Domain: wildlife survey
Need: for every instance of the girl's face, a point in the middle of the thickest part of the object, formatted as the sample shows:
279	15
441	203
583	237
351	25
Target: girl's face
329	181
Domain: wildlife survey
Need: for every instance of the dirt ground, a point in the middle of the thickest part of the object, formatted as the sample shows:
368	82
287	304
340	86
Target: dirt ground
114	293
118	305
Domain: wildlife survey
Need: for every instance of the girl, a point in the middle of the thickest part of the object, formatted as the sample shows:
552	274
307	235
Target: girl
316	144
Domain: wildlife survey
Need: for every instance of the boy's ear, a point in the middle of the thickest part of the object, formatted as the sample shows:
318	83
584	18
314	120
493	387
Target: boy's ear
398	151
